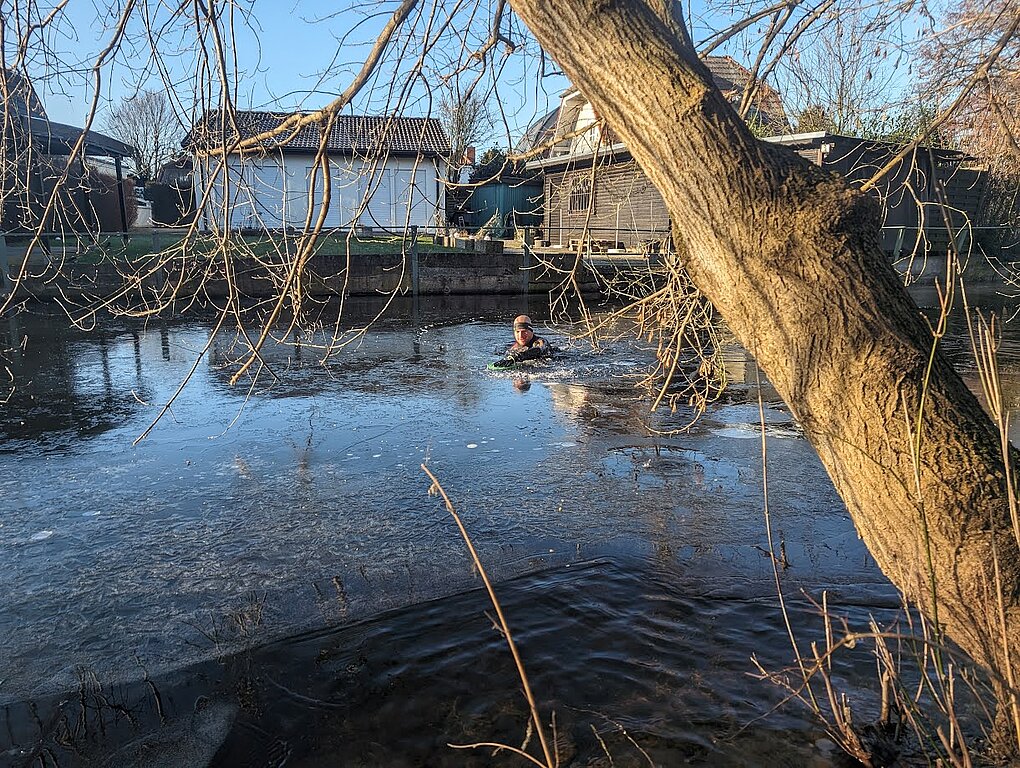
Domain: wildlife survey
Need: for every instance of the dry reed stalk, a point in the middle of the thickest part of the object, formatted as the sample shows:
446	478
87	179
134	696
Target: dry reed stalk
504	627
985	348
840	728
772	550
937	678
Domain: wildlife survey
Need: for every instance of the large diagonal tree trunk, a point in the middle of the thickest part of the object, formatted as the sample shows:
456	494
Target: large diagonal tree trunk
789	255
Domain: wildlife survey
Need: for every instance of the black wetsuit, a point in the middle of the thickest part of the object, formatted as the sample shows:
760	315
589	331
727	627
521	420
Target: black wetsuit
535	349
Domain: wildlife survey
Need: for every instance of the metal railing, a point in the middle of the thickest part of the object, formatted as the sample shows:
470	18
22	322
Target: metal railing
605	239
902	237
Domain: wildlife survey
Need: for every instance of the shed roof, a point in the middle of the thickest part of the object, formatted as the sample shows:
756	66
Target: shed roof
730	77
839	141
349	134
19	99
18	95
58	139
541	130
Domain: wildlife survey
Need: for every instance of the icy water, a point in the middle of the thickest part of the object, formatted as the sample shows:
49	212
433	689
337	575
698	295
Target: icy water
265	580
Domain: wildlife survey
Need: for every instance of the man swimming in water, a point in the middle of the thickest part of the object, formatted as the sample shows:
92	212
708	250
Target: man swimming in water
527	346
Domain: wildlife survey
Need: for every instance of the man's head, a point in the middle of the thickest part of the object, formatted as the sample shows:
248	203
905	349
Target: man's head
522	329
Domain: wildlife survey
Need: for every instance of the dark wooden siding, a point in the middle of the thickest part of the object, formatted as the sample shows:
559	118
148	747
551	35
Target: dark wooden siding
912	215
626	208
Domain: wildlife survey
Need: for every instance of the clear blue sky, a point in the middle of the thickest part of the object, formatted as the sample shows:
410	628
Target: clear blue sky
289	54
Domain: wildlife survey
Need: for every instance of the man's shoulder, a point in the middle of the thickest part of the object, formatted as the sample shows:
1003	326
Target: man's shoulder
543	345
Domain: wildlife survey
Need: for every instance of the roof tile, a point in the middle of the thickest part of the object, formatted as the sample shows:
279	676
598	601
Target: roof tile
350	134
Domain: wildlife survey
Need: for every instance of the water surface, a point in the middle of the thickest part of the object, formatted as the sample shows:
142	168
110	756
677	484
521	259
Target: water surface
267	567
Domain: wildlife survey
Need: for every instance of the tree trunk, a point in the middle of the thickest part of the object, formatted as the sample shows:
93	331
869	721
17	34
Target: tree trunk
790	257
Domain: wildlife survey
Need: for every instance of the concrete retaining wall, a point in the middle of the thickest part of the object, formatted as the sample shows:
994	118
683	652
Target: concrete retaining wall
444	273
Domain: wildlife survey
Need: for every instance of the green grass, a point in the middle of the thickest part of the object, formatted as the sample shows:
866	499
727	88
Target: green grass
138	245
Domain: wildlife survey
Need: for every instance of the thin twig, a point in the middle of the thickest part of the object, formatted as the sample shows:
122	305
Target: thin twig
504	626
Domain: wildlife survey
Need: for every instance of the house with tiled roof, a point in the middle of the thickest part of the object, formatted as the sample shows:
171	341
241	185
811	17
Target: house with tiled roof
385	172
765	111
617	206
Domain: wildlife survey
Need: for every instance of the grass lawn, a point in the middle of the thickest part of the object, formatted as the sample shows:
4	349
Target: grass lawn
113	247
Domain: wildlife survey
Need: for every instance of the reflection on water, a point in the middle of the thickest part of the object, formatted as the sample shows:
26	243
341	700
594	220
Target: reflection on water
294	502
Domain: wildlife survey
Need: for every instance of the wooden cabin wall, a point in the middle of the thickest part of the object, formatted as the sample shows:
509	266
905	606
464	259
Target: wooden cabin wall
626	208
908	194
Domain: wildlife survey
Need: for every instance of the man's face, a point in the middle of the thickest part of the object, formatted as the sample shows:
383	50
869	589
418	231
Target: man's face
523	335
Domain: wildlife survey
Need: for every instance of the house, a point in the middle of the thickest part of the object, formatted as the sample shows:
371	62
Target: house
385	172
615	205
913	191
94	193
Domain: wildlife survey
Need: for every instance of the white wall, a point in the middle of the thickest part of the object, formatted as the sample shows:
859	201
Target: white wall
589	140
576	114
272	192
144	218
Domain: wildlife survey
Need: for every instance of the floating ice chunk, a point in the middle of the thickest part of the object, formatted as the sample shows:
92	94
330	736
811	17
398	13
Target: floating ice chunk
738	431
40	536
93	513
472	445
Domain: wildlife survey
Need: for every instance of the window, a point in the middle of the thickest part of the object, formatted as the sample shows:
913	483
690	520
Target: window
581	198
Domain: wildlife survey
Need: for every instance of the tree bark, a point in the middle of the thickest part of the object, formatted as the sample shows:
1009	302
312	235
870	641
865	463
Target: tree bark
789	255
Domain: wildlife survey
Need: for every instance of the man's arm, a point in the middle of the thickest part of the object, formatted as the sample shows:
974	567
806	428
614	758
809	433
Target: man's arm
540	348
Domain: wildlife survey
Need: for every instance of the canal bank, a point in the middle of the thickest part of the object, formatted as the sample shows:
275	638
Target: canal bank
260	269
170	267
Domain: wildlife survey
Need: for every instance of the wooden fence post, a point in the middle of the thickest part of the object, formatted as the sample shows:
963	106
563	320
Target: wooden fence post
5	266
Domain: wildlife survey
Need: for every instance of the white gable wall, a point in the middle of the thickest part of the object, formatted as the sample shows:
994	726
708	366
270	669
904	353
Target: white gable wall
272	192
589	140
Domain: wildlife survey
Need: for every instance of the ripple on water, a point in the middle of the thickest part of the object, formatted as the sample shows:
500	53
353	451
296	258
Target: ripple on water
624	656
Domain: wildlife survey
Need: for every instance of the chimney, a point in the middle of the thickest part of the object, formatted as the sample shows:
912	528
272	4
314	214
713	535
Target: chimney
469	156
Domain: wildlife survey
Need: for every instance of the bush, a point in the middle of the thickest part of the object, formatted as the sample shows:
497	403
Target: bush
171	206
103	204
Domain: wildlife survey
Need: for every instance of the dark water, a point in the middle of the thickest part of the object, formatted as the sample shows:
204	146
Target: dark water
265	580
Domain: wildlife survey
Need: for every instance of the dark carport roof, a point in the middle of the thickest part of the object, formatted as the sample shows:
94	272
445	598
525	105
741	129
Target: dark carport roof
350	134
58	139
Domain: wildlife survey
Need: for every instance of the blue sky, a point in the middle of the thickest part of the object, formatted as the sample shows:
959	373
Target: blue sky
289	54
